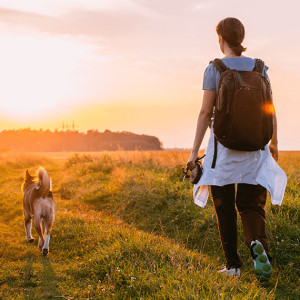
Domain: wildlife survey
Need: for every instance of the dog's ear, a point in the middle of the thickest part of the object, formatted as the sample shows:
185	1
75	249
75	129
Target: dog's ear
27	175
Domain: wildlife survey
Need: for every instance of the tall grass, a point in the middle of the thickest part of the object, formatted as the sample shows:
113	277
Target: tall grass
126	228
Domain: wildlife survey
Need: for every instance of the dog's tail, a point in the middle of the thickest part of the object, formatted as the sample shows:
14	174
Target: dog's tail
44	186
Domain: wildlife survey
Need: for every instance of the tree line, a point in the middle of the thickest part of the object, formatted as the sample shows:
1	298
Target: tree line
70	140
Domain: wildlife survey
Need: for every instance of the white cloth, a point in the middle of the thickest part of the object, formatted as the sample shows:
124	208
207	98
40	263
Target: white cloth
255	167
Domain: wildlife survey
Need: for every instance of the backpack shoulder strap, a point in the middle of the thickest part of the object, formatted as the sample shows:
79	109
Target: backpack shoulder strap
219	65
259	65
213	164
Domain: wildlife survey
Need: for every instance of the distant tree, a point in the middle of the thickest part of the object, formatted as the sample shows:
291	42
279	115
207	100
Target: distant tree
27	139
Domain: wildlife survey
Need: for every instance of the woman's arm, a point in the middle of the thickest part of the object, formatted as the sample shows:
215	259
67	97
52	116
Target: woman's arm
273	146
204	119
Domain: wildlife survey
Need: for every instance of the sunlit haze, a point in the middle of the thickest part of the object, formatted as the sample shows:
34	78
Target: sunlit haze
136	65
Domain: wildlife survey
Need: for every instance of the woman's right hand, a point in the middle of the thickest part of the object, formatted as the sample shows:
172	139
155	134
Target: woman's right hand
191	161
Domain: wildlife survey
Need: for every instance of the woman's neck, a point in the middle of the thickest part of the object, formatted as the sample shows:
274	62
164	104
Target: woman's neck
228	52
232	55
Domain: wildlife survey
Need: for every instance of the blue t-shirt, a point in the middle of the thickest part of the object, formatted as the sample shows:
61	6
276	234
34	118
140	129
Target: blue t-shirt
212	76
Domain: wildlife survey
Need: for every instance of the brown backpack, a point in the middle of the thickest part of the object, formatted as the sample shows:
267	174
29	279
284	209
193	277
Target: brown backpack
243	110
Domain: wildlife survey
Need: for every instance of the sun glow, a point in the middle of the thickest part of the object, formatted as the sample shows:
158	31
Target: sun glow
135	65
269	108
38	74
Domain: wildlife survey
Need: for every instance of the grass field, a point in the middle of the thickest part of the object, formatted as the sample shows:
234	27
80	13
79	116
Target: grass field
126	227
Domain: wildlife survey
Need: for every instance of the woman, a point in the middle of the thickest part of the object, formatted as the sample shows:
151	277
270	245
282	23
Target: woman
249	170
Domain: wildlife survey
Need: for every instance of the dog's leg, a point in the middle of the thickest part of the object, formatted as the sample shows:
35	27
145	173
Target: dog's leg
37	226
43	227
27	221
41	243
48	225
45	250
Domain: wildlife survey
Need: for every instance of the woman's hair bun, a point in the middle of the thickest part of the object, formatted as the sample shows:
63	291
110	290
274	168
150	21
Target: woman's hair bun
233	32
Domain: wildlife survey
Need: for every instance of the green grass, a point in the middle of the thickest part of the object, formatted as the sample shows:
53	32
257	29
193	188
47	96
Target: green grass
126	227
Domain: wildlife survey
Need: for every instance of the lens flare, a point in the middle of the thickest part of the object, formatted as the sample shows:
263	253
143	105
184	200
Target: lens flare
269	108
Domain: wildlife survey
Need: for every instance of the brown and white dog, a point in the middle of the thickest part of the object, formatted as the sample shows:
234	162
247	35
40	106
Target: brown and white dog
38	205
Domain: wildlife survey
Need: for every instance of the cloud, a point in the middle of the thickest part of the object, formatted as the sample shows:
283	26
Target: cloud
135	32
167	7
204	5
81	21
21	18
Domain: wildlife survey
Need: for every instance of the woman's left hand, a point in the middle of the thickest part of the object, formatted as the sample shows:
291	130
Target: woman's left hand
274	150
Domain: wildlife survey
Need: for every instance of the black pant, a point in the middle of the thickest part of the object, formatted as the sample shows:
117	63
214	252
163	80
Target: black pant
250	201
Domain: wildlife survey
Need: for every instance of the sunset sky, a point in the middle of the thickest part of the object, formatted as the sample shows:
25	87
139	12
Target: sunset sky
136	65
